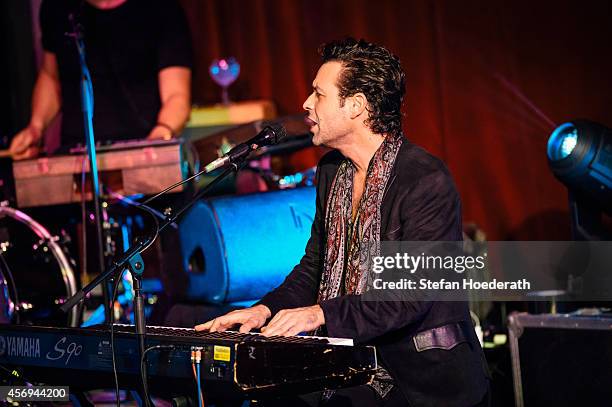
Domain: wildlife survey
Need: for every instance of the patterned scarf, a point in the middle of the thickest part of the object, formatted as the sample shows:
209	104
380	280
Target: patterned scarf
350	245
348	248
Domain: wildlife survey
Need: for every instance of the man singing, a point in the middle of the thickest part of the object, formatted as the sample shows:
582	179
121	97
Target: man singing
375	186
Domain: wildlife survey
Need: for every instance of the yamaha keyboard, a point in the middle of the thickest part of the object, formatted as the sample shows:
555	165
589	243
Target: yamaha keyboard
241	364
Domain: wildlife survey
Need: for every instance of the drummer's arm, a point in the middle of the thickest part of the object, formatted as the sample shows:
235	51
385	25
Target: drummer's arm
46	103
46	99
175	93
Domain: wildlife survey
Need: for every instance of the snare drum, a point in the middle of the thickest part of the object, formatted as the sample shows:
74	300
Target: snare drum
36	273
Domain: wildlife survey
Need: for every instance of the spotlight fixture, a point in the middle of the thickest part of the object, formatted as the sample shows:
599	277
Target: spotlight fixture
580	156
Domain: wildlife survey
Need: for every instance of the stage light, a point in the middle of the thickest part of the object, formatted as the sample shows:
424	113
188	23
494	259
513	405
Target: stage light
580	156
562	141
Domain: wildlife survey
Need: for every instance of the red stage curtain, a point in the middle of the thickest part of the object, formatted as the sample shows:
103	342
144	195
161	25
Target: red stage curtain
487	82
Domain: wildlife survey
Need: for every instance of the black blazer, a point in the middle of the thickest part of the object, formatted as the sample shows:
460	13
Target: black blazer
420	204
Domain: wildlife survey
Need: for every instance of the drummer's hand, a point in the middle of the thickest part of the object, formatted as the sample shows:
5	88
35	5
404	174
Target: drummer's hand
248	318
25	143
160	133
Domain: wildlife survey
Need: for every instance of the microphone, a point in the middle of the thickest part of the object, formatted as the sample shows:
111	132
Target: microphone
270	135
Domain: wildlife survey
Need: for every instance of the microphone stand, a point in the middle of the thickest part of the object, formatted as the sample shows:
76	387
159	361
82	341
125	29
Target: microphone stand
132	261
87	100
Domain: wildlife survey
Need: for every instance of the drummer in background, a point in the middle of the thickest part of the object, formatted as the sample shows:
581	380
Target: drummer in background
139	56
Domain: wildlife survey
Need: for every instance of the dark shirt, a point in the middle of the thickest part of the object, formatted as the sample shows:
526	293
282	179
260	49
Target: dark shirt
125	49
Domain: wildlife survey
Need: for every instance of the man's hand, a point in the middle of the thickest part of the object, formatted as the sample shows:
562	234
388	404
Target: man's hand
248	318
290	322
25	143
160	133
175	94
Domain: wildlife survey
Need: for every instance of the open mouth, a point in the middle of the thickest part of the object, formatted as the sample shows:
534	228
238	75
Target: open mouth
310	122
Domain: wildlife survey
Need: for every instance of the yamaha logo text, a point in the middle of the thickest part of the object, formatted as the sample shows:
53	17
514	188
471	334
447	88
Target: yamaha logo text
20	347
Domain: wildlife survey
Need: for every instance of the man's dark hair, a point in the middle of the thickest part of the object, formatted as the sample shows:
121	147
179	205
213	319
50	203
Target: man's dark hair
374	71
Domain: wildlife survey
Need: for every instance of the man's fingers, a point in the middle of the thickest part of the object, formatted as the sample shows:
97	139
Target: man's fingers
278	321
293	331
211	326
247	326
279	328
17	149
284	330
227	321
248	319
20	144
218	325
279	318
204	327
24	156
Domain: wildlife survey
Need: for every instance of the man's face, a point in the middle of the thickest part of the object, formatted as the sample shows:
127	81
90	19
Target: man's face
329	121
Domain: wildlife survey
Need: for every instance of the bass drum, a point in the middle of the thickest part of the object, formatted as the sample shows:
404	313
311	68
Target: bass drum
36	275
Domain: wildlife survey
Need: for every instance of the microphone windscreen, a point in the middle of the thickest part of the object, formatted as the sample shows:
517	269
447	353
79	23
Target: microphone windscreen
279	132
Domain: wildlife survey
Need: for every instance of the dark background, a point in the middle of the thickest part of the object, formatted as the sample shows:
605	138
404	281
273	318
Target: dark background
487	83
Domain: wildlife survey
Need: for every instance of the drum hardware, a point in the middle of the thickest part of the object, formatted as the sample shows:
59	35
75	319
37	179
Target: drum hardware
36	272
8	308
261	168
120	227
302	178
274	181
